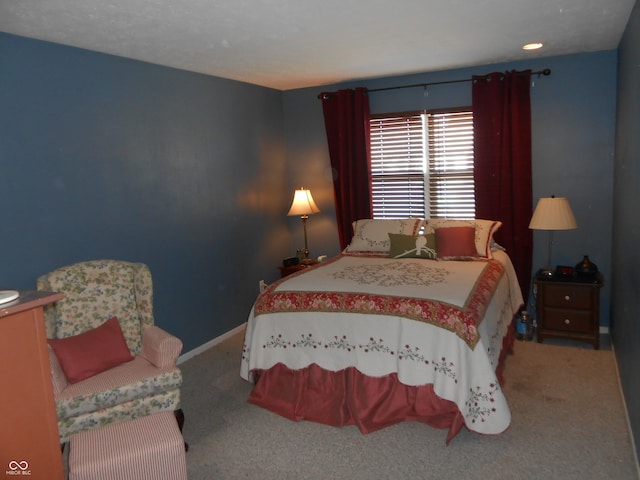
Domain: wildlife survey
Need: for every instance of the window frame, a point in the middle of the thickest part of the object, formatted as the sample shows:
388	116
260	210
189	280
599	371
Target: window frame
391	209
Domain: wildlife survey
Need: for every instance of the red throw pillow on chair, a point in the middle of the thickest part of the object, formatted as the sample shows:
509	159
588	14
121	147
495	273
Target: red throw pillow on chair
94	351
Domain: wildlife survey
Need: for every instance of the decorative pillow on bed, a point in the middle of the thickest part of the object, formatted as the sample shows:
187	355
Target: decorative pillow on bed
413	246
94	351
456	243
373	235
484	230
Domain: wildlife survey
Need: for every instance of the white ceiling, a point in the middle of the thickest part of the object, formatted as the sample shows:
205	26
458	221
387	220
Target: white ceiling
287	44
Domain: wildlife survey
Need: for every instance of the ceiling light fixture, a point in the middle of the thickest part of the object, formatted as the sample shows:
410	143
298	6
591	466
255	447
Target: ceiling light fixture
532	46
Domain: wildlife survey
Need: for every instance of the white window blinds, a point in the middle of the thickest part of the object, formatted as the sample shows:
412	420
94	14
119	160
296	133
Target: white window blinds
398	166
422	165
451	189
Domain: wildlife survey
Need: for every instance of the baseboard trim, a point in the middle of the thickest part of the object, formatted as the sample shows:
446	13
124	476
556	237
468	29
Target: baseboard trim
626	410
211	343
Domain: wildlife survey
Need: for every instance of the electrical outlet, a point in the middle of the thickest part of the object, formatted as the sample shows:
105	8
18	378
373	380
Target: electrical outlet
262	285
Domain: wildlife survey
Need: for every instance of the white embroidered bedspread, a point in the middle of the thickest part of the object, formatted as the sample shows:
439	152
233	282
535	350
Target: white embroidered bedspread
431	322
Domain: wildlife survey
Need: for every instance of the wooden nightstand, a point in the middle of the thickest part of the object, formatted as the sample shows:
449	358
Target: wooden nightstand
284	271
569	308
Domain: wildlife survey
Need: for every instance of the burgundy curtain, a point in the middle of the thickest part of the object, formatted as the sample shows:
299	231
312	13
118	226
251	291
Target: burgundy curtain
346	118
502	148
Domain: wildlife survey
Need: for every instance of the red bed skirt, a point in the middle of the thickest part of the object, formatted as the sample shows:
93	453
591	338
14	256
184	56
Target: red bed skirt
348	397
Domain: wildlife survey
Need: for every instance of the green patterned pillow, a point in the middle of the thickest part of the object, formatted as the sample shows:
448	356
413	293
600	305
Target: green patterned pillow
413	246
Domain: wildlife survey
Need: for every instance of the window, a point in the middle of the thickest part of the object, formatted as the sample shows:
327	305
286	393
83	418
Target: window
422	165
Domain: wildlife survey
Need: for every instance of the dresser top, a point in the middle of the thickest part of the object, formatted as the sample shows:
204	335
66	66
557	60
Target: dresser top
28	300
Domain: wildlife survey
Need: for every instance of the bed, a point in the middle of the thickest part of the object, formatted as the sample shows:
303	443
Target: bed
411	322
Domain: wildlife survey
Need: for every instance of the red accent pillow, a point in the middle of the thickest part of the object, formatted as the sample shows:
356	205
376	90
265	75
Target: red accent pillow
89	353
456	243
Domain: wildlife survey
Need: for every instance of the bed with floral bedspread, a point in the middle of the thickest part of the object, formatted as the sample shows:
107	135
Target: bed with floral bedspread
369	339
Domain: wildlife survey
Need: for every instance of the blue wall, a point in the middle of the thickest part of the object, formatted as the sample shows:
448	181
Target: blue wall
573	131
626	222
193	175
104	157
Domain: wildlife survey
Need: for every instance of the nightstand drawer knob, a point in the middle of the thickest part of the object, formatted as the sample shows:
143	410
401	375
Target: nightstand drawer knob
567	298
567	321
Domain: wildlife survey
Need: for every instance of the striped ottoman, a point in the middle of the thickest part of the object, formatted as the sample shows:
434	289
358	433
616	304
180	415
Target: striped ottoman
149	447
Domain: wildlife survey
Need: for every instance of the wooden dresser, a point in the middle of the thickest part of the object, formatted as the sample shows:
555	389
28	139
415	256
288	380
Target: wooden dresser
29	426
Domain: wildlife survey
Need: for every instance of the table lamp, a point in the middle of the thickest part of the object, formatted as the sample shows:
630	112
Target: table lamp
304	206
552	213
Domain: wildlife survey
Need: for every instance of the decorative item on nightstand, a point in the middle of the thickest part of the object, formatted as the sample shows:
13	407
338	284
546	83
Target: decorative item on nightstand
552	214
290	262
586	268
304	206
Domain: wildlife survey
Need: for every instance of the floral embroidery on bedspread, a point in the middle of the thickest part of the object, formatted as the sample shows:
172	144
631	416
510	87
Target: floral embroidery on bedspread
479	403
393	274
406	353
461	321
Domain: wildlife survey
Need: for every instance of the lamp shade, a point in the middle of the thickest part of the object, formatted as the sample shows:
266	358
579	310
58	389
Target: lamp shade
303	203
553	213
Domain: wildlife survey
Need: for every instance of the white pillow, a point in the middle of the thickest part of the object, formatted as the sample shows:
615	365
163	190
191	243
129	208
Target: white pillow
484	231
373	235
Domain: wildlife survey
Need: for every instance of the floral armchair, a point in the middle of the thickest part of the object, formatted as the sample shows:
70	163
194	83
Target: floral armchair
147	382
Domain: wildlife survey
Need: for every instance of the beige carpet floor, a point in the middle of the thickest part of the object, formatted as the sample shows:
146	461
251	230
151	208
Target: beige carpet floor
568	422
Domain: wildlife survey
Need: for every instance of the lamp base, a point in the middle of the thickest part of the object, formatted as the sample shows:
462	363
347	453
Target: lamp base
307	261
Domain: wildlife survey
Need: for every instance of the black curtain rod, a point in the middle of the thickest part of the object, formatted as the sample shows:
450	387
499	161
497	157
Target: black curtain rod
544	72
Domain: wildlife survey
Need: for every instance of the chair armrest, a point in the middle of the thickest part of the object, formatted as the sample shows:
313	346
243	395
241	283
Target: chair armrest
160	347
58	378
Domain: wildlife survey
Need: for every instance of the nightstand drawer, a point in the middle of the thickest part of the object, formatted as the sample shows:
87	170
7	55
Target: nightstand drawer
568	296
568	320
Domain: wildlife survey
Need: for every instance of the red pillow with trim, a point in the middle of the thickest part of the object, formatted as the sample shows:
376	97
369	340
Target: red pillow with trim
92	352
456	243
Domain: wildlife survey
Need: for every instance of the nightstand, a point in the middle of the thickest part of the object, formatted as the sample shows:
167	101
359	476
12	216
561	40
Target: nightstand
569	308
284	271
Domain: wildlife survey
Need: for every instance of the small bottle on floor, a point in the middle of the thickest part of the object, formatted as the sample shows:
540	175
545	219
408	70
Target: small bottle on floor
524	327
